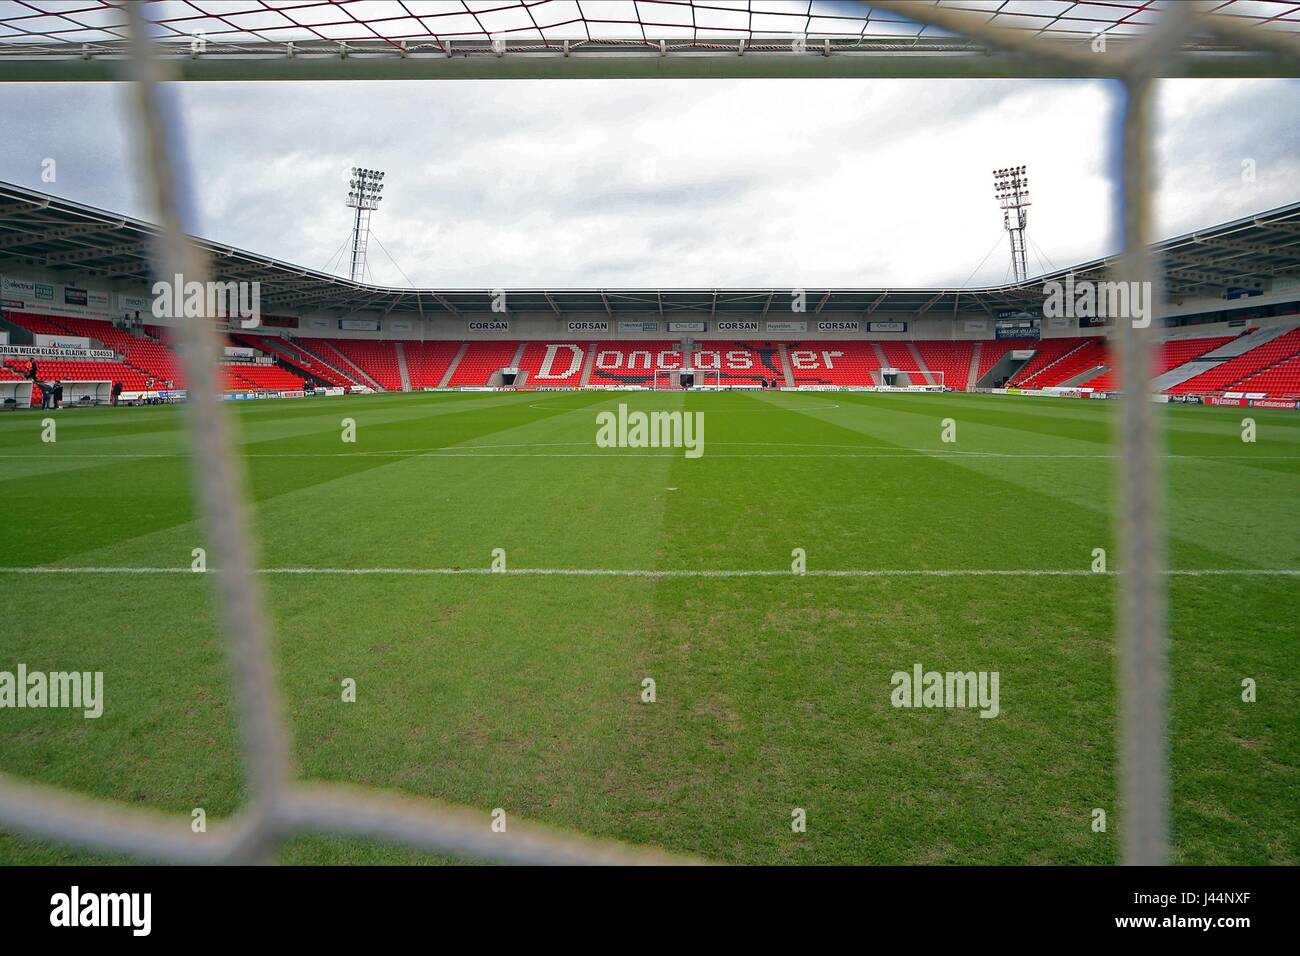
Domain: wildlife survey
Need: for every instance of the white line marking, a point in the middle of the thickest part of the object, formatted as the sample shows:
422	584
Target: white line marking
685	572
467	452
739	410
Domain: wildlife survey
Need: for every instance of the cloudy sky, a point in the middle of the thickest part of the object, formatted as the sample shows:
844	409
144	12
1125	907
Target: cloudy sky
666	183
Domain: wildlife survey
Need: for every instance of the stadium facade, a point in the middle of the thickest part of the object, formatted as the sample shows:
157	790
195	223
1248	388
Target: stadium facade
81	277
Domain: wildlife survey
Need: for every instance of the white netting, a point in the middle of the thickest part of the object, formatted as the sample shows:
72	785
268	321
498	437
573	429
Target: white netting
279	807
91	28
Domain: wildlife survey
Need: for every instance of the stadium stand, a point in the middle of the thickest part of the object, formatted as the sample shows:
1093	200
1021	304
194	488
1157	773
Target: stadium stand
8	374
1049	352
145	360
953	359
740	363
427	362
35	323
298	361
993	351
376	357
483	359
1280	381
146	363
1271	366
1178	351
553	364
899	356
1090	355
155	361
262	378
1230	374
1173	353
1105	382
633	363
71	370
102	331
322	350
833	363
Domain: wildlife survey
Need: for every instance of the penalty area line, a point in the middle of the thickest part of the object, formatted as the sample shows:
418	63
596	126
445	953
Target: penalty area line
682	572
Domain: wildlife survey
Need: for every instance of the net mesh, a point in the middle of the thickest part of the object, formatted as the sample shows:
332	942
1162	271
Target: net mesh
102	27
279	806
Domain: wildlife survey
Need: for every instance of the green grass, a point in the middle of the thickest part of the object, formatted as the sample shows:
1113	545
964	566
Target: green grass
773	692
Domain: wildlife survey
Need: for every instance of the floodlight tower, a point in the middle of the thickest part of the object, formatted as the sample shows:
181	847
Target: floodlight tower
1011	189
364	193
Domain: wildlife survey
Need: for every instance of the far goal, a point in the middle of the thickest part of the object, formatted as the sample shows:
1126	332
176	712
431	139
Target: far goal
911	379
677	379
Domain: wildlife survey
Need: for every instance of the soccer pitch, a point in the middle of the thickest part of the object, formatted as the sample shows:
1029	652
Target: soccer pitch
772	690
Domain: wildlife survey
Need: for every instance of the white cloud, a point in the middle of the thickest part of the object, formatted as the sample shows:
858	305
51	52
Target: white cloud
670	183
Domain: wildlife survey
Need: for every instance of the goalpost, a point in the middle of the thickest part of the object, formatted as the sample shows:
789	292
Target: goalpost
670	379
911	379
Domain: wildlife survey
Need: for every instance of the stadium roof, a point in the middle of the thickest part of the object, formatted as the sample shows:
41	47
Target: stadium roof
89	245
393	39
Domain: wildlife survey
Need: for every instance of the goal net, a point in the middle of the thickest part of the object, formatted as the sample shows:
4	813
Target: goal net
911	379
679	379
1131	45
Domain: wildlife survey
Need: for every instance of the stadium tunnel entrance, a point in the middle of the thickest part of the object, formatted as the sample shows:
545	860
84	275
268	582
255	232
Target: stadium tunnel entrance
1005	367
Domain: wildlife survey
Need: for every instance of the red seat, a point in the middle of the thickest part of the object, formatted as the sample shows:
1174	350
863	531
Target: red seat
739	363
376	357
833	363
1235	372
263	378
952	358
299	359
634	363
427	362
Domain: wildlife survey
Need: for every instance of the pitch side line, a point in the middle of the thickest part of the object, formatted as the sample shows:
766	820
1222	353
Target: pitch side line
683	572
612	454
